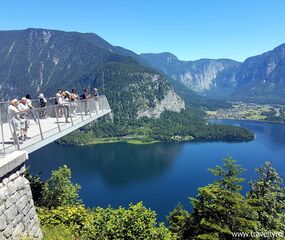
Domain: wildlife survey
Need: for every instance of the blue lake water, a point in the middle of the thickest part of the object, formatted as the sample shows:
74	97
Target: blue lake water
161	174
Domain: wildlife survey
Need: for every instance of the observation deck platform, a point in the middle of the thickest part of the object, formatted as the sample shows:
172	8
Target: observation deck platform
51	123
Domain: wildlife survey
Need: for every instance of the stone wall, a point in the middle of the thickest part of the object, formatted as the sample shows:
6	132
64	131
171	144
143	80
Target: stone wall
18	216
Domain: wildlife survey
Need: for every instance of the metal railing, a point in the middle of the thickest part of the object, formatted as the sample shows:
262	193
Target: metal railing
35	102
21	130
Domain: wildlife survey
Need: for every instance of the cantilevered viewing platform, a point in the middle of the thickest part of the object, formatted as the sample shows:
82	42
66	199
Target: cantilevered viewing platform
51	123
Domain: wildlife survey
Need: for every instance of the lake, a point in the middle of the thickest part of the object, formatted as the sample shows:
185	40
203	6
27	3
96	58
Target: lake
161	174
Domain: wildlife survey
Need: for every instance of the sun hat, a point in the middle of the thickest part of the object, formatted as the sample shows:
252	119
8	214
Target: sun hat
14	101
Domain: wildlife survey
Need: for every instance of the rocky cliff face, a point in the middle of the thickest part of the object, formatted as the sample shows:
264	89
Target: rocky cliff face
201	75
171	102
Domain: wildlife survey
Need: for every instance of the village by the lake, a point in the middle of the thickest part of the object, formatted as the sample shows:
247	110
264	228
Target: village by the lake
251	111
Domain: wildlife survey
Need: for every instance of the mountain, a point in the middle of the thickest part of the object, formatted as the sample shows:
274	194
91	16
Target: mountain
45	60
39	60
257	79
143	101
262	78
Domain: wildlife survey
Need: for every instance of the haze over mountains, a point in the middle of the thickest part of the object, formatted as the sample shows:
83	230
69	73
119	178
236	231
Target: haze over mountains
257	79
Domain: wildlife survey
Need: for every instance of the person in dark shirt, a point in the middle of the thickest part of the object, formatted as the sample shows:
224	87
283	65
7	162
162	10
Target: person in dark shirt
43	102
85	95
73	99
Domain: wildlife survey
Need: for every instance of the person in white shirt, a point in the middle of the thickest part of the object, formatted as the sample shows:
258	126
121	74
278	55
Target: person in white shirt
95	92
13	117
96	95
30	105
62	101
66	105
29	101
58	102
24	120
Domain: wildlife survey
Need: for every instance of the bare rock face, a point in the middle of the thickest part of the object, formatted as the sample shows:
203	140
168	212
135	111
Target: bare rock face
201	75
204	76
171	102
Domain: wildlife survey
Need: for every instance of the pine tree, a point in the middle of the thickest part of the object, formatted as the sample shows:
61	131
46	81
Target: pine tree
267	195
219	209
180	222
229	177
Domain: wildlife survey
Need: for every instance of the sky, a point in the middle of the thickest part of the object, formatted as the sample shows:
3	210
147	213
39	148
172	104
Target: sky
190	29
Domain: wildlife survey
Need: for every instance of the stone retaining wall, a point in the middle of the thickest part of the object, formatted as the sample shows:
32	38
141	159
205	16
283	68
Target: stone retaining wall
18	216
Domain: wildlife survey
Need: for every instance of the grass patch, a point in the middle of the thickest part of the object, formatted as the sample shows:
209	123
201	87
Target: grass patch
129	140
140	141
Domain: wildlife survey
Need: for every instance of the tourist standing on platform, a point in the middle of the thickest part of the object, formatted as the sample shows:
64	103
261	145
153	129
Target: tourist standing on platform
24	120
29	101
30	105
95	92
85	95
58	102
43	103
14	119
96	100
73	99
66	105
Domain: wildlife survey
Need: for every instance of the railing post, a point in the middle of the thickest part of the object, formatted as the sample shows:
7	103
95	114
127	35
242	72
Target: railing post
55	109
96	102
40	127
71	113
2	132
81	111
90	105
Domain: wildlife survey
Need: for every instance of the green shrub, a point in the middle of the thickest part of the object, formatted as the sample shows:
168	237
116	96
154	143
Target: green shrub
136	222
59	190
77	218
